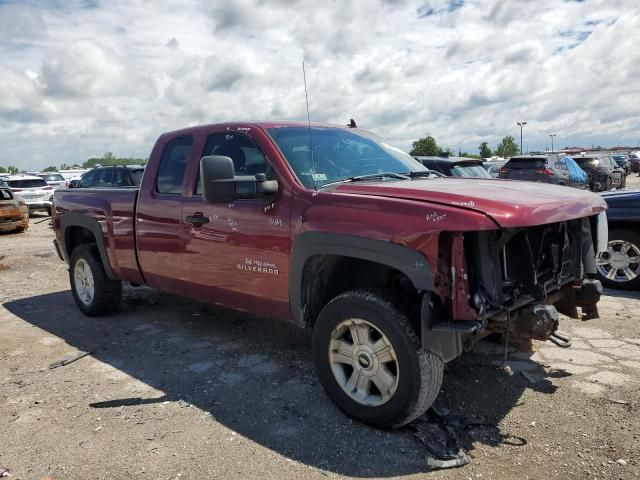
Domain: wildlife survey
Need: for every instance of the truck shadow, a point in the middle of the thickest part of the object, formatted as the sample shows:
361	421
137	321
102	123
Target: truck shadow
255	377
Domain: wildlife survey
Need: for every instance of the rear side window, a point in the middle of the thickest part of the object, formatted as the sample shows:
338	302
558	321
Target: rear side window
120	178
526	163
136	176
27	183
469	170
173	165
586	162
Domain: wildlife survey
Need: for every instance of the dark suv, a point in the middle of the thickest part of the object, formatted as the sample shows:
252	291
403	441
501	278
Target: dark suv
556	169
111	176
604	172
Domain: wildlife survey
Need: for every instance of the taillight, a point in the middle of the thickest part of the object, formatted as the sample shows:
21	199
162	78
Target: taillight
501	171
544	171
49	187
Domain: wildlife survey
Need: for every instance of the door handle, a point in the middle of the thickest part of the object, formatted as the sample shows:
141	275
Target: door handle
197	220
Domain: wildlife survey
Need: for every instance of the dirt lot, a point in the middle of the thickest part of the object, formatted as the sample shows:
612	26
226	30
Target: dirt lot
175	389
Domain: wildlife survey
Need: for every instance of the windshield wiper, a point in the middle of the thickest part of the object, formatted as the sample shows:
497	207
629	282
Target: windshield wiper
424	173
371	176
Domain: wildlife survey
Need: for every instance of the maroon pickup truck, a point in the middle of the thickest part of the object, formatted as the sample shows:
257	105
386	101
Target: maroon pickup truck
394	269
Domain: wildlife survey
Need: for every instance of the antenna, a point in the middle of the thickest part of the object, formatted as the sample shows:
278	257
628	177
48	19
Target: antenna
306	97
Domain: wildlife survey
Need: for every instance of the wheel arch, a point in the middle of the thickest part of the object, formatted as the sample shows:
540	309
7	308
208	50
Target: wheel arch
78	229
318	257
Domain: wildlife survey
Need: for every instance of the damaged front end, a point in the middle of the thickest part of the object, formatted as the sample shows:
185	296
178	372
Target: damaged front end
516	281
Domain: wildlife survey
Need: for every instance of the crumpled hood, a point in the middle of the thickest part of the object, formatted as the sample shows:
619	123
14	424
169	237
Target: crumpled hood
509	203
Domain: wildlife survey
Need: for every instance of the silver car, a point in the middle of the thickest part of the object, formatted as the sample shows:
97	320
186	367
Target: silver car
54	179
32	189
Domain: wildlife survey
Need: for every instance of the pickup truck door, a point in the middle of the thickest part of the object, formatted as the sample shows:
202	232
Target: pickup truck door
237	254
159	209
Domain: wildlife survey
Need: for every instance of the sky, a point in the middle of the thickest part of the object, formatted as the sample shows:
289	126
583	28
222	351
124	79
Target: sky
79	78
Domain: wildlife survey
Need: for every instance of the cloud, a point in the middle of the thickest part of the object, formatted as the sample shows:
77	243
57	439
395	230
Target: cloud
82	77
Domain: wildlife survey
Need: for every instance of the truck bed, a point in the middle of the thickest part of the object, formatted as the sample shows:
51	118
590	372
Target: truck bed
114	211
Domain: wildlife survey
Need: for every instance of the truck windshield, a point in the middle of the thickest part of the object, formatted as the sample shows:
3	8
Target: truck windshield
339	154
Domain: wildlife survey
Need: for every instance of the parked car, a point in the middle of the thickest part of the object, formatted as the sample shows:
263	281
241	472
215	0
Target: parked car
550	168
622	159
111	176
455	166
330	228
32	189
493	168
55	180
634	160
604	173
619	266
14	212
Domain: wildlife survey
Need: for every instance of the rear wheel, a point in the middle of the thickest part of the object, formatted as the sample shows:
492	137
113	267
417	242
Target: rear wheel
619	266
608	184
370	361
94	292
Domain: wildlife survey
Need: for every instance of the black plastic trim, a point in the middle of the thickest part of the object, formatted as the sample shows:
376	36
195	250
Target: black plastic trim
68	220
410	262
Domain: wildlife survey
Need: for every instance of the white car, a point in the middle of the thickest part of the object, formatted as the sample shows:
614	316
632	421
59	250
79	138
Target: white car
32	189
54	179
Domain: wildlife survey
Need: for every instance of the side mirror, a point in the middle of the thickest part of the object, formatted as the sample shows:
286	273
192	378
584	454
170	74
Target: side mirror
221	185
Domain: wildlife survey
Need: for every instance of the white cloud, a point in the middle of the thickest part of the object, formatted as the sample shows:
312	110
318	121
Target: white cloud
82	77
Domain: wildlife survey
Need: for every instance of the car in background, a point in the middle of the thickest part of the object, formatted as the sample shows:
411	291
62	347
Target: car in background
111	176
54	179
619	266
493	168
604	173
622	159
634	162
455	166
551	168
14	212
33	190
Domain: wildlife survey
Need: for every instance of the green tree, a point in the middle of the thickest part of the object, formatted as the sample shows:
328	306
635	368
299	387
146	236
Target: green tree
2	169
507	147
470	155
13	170
485	151
50	168
110	159
425	147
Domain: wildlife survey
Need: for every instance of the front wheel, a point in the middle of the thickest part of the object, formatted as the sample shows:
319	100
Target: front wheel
370	361
94	292
619	266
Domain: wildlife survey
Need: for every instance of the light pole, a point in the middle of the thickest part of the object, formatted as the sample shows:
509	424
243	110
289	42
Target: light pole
552	135
521	124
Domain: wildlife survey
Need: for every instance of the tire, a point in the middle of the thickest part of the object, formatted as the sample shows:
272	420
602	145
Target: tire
620	278
106	295
609	183
49	211
418	374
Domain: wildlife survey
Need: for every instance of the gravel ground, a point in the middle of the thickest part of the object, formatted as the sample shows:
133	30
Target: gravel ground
175	389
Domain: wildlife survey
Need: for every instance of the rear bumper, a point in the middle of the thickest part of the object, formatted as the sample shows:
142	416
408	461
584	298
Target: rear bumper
12	225
39	204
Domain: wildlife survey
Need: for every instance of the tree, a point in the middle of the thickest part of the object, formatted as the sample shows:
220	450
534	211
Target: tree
470	155
507	147
110	159
485	151
13	170
50	168
2	169
425	147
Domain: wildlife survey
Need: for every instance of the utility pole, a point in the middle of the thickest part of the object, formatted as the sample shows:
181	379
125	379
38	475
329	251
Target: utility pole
521	124
552	135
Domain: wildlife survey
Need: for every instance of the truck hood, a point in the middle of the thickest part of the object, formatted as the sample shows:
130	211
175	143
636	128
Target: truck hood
509	203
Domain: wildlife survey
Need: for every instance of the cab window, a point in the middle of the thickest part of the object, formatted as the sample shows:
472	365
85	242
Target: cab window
246	156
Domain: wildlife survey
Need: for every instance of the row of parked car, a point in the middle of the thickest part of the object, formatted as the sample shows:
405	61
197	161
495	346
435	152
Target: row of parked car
35	190
597	172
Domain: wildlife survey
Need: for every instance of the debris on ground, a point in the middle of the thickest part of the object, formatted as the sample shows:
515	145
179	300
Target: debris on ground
4	472
66	361
448	437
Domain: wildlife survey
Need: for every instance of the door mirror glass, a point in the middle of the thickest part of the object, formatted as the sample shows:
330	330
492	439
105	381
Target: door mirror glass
220	184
